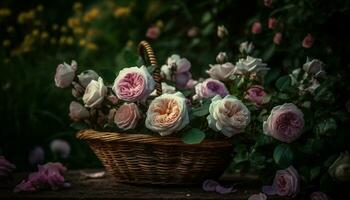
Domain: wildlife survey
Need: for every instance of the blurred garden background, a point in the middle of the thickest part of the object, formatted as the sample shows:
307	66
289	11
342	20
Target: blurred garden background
37	35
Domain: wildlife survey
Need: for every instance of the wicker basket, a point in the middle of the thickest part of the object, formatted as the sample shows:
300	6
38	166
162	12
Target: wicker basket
146	159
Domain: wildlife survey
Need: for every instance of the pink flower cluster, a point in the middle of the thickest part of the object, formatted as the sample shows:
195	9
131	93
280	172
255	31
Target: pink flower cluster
48	176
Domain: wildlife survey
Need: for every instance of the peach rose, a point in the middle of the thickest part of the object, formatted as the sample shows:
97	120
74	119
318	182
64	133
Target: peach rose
167	114
127	116
228	115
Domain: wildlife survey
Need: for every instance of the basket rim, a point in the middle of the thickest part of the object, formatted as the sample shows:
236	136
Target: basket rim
90	134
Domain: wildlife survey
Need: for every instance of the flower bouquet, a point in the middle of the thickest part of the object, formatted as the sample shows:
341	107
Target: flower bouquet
160	126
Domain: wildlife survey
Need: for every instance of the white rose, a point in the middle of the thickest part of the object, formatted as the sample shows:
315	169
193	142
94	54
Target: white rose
246	47
221	72
315	68
167	114
65	74
87	76
95	93
251	65
228	115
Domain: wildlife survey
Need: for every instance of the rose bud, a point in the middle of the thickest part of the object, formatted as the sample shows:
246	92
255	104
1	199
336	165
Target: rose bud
153	32
340	169
308	41
222	31
87	76
272	23
285	123
65	74
277	38
221	58
36	156
95	93
78	112
228	115
60	147
167	114
256	28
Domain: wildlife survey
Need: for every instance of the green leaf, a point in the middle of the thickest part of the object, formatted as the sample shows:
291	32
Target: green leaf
283	83
314	172
312	146
79	125
326	127
283	155
193	136
202	111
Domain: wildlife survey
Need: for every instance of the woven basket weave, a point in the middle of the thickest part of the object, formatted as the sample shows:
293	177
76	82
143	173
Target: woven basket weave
146	159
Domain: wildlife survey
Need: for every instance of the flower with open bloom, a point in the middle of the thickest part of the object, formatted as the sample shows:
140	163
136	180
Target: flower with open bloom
127	116
209	88
177	69
315	68
308	41
256	94
95	93
285	123
78	112
228	115
48	176
133	84
65	74
260	196
277	38
60	147
251	65
221	72
6	168
256	28
285	183
167	114
87	76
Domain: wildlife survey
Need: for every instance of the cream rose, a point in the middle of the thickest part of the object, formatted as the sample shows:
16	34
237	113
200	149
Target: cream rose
251	65
95	93
228	115
221	72
167	114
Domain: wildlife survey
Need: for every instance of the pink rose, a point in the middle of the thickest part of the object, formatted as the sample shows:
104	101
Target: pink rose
256	28
260	196
60	148
271	23
209	88
78	112
49	176
133	84
6	168
277	38
268	3
65	74
285	183
256	94
127	116
285	123
308	41
177	69
221	72
167	114
153	32
191	84
319	196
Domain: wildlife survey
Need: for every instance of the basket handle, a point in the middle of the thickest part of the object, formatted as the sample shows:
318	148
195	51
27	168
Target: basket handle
145	49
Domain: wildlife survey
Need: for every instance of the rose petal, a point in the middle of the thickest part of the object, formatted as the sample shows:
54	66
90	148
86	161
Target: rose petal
209	185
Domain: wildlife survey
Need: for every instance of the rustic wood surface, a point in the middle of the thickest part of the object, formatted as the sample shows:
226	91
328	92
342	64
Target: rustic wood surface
107	188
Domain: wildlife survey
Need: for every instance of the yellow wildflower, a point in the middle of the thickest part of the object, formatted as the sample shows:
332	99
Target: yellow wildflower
70	40
82	42
4	12
122	11
26	16
92	14
6	43
91	46
73	21
78	30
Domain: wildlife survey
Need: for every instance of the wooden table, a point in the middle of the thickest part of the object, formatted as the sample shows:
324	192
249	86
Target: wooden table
106	188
